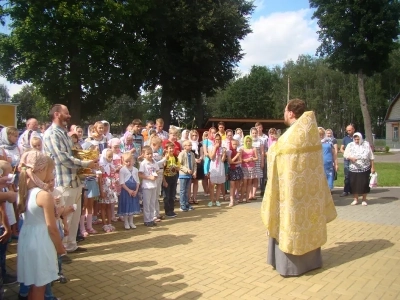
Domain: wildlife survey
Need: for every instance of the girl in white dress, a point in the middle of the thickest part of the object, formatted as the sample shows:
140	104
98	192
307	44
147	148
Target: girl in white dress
217	169
39	240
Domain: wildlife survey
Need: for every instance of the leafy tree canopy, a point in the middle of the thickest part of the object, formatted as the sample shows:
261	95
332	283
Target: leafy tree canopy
357	35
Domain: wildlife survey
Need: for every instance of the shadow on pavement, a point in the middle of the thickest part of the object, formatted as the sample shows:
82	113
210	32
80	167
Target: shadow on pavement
128	279
346	252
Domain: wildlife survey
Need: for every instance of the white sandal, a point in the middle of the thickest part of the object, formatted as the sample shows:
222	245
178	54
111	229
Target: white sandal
355	202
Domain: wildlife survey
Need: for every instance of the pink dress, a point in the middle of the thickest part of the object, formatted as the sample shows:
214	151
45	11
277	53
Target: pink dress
249	171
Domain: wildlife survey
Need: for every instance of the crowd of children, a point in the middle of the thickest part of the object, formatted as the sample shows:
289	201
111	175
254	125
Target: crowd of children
134	171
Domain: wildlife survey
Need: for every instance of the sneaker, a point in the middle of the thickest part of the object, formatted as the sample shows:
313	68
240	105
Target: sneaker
174	213
183	209
148	224
171	215
217	203
9	279
190	208
355	202
154	223
62	279
107	228
210	204
344	194
364	203
131	225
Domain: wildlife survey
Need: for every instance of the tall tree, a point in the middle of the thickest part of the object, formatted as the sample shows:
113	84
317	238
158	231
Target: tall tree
357	37
4	95
76	52
195	46
31	105
251	96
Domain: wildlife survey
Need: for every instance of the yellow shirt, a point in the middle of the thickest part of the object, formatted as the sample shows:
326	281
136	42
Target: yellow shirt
173	162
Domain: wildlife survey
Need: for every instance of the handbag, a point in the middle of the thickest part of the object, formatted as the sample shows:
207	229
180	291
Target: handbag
373	180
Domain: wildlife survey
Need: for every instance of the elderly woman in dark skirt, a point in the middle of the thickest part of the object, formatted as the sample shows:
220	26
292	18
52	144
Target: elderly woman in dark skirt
361	166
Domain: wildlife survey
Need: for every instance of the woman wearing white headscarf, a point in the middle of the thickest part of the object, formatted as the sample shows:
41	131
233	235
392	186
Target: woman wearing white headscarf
361	166
184	137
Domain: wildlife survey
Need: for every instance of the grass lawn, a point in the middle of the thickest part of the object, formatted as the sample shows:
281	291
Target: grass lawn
388	174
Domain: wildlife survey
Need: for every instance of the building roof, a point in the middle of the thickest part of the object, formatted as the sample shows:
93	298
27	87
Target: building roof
245	124
389	110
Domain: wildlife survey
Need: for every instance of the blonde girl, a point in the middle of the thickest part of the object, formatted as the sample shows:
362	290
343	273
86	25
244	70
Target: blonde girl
128	205
217	169
258	144
272	136
92	192
239	132
97	137
11	153
115	145
197	150
36	143
235	173
108	189
207	144
249	157
39	241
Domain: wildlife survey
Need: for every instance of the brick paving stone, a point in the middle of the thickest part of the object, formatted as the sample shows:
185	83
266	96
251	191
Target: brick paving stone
220	253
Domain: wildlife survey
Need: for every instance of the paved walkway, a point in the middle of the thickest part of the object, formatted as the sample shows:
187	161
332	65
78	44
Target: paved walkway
220	253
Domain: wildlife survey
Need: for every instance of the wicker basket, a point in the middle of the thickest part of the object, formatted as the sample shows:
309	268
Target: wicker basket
86	154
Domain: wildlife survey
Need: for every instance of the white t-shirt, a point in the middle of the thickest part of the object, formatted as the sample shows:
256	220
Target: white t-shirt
125	174
149	169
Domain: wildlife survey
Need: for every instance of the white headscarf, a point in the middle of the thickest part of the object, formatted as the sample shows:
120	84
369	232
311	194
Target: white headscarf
104	163
195	144
182	136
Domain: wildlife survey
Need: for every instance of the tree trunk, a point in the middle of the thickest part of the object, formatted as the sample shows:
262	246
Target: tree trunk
74	100
166	107
74	95
364	109
199	112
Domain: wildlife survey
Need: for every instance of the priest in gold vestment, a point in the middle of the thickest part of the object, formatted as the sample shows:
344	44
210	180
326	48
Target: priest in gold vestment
297	203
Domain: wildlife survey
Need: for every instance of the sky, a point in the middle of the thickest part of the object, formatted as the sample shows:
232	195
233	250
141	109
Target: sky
282	30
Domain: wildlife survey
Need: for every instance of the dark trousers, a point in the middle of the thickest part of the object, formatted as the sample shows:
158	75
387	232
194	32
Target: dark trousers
263	181
170	192
3	252
346	177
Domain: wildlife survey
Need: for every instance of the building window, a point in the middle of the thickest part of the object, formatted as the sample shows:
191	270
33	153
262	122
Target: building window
395	133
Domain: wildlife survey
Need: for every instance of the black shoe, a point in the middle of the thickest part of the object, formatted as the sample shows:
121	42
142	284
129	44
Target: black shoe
80	239
9	279
66	260
20	297
79	249
344	194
